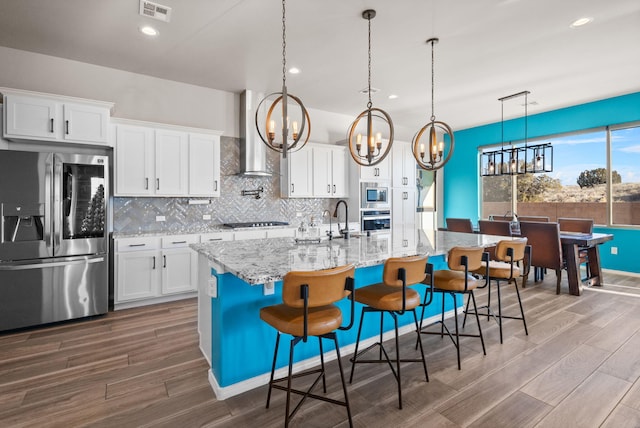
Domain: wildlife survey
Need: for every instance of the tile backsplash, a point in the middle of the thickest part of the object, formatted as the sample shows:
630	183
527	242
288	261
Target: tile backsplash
138	214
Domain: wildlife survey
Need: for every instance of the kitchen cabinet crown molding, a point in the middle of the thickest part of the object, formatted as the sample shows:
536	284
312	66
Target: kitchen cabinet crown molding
167	126
56	97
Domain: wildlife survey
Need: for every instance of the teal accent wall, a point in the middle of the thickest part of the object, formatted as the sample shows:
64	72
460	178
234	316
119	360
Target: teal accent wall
462	177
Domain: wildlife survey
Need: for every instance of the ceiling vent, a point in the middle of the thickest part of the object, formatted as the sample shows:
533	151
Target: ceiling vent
155	11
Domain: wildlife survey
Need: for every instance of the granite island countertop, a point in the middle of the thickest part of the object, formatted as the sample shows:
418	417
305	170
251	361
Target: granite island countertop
259	261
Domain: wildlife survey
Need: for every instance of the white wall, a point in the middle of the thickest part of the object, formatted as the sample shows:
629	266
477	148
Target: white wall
147	98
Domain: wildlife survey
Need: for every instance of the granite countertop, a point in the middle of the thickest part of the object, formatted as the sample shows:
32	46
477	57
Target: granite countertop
259	261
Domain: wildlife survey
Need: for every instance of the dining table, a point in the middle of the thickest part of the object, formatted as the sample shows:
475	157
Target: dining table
572	244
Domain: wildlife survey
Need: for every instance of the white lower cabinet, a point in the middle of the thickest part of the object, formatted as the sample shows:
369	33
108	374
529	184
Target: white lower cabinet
147	268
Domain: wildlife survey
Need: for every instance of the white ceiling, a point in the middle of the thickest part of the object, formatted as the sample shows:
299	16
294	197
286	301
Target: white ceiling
488	49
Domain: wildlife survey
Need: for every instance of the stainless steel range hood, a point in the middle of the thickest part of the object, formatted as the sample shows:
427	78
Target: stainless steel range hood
253	152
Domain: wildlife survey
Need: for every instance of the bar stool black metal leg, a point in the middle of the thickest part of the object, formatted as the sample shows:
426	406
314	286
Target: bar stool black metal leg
287	416
515	283
273	369
484	351
395	320
499	310
324	382
455	310
355	353
424	362
344	385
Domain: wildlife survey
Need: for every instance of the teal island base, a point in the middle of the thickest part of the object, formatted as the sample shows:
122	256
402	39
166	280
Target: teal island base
239	346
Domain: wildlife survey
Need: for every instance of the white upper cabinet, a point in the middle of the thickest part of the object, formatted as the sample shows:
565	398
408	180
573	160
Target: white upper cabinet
379	172
204	165
165	162
296	172
33	116
403	165
330	176
172	162
134	165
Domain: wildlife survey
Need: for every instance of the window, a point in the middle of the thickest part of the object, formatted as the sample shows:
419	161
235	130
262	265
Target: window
581	182
625	180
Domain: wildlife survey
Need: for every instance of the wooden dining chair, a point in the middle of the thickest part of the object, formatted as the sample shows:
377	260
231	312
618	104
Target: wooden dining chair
459	225
578	225
533	218
546	248
308	309
494	227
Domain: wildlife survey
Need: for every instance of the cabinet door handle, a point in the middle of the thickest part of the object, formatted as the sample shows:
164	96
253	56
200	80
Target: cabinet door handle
164	261
328	188
215	239
51	125
146	183
215	187
178	242
293	187
66	127
334	188
154	262
157	184
137	245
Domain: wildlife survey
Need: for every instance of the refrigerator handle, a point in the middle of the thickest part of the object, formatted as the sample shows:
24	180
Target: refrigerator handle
17	266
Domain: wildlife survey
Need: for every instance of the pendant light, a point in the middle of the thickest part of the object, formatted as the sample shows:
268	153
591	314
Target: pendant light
433	146
375	149
300	123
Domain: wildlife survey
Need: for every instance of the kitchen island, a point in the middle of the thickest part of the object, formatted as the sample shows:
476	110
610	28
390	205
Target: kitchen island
237	278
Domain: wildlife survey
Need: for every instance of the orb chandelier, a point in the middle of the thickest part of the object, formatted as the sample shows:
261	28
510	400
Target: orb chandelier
437	134
294	125
375	148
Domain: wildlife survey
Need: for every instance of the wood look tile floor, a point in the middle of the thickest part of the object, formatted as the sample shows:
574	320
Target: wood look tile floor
579	366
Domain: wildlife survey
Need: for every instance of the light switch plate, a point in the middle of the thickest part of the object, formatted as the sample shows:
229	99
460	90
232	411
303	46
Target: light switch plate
161	218
206	216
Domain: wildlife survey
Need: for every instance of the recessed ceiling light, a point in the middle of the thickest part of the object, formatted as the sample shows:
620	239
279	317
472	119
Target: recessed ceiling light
393	96
149	31
294	70
581	21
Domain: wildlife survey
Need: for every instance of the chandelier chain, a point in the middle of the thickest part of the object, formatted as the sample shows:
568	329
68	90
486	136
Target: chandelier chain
369	104
284	45
433	114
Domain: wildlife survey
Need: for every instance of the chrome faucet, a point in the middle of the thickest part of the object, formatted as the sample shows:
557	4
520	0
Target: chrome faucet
326	213
344	232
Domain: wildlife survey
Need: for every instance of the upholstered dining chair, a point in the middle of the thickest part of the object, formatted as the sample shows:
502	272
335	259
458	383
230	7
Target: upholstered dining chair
546	248
513	258
457	280
394	297
309	308
459	225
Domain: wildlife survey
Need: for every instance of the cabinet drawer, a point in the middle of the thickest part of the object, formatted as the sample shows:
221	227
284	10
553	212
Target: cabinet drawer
136	244
177	241
206	238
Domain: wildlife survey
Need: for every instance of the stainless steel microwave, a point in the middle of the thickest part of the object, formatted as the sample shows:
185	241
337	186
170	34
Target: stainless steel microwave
374	195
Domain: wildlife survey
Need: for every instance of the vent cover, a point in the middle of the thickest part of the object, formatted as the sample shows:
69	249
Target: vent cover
155	10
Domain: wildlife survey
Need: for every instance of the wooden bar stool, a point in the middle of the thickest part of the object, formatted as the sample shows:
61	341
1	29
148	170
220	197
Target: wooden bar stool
392	296
309	309
462	262
509	254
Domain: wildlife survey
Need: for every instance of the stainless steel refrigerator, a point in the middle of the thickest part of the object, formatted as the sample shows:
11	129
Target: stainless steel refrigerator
53	237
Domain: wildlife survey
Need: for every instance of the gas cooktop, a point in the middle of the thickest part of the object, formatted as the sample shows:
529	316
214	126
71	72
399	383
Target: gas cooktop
256	224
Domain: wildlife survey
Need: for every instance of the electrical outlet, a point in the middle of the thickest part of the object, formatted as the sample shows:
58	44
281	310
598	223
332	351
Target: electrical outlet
299	214
206	216
614	250
161	218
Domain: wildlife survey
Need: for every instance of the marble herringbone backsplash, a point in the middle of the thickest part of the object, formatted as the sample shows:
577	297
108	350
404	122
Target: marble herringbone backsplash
138	215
